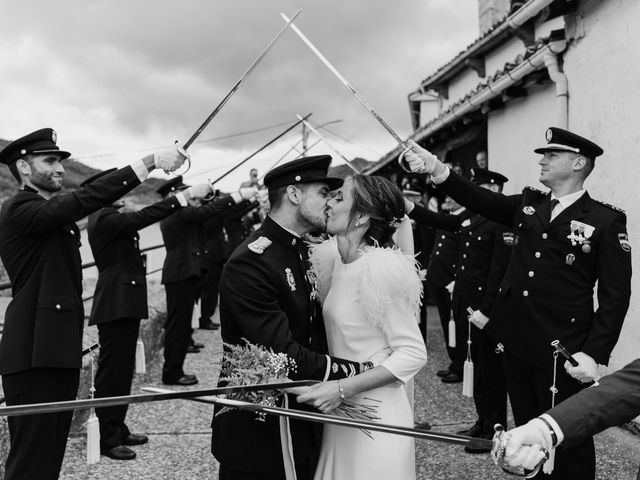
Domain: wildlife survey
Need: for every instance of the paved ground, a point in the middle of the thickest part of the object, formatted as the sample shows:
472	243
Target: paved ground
179	431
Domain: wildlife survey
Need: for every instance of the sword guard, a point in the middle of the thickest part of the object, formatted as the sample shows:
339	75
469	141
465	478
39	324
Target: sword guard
500	440
186	155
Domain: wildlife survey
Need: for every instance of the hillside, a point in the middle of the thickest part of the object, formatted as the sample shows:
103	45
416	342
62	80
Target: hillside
75	173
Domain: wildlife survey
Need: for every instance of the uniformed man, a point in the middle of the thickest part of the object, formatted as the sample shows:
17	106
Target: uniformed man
40	350
266	297
217	254
182	272
565	243
484	252
120	301
440	275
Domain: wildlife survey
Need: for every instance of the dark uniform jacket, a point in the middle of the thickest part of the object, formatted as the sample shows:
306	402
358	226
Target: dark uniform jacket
484	252
121	290
39	248
213	233
614	402
446	249
182	237
265	297
547	290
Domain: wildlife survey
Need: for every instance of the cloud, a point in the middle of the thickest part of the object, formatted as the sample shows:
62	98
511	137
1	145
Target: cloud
115	75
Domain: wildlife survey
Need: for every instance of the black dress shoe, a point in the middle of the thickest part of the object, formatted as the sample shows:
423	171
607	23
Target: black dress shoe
474	431
184	380
484	448
443	373
453	377
423	426
119	453
193	349
209	325
133	439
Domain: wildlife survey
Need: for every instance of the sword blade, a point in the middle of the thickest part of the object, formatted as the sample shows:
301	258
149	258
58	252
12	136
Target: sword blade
321	137
38	408
212	182
342	421
237	85
343	80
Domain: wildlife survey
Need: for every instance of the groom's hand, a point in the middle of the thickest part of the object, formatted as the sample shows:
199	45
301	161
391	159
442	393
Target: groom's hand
325	396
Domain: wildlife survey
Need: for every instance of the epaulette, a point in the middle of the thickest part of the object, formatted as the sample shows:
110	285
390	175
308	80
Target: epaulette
528	187
259	245
612	207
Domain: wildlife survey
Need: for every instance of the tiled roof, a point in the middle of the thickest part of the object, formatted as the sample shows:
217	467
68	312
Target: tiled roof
483	85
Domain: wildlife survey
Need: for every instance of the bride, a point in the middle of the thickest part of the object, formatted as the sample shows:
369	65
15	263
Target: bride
370	291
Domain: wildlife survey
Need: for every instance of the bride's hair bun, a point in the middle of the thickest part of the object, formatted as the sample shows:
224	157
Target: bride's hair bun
382	201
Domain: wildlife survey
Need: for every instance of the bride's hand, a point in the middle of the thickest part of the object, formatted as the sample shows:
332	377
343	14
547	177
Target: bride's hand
296	390
324	396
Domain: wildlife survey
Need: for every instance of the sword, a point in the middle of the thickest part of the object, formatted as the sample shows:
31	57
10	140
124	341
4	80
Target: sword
319	135
563	351
237	85
342	421
212	182
39	408
341	78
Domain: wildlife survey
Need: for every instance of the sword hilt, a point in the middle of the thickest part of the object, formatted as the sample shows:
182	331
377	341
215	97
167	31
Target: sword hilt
498	451
563	351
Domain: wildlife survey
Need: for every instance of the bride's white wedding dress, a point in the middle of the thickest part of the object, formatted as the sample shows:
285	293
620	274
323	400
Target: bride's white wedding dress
370	309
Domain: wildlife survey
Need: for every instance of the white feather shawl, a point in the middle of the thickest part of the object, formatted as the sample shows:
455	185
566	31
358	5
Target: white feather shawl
386	277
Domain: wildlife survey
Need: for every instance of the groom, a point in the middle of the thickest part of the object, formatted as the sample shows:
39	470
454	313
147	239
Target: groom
267	296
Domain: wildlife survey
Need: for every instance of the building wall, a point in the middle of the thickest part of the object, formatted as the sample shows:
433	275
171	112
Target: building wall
513	133
603	69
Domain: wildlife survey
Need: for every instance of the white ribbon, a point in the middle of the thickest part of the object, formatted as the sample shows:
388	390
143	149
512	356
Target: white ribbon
287	446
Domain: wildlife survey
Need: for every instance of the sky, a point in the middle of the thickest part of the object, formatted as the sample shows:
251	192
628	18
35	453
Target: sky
119	78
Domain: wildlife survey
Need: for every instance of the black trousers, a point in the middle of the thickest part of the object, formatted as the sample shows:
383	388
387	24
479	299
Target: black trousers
489	383
442	298
423	316
530	396
303	472
38	442
181	297
116	365
209	296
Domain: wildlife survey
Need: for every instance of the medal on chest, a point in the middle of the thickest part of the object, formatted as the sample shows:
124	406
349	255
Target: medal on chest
290	280
580	235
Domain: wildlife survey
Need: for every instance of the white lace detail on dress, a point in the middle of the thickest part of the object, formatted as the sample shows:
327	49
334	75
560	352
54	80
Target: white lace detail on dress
322	257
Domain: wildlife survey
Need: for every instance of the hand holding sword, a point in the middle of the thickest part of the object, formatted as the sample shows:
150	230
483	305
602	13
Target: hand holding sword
580	366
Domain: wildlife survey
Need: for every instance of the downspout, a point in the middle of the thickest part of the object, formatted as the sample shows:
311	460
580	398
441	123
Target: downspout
560	79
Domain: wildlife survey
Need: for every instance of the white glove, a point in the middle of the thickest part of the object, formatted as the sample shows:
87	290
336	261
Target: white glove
418	159
479	319
248	193
200	191
170	159
587	369
408	206
450	287
525	443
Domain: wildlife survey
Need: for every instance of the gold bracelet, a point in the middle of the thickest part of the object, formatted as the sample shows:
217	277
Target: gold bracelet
341	390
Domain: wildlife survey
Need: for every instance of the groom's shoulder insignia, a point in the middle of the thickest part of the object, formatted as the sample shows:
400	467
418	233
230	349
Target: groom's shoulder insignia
259	245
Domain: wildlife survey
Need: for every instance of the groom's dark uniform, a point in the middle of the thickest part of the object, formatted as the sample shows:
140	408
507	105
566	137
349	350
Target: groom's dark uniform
267	296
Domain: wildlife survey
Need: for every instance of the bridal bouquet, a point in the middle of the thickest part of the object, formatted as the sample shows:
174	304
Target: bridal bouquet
251	364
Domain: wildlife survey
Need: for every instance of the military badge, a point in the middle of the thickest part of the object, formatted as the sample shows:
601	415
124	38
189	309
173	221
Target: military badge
623	238
344	370
54	136
260	245
580	234
528	210
311	278
334	367
548	135
508	238
290	280
569	259
466	223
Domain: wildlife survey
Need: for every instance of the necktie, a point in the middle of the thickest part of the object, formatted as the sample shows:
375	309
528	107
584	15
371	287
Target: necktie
552	205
